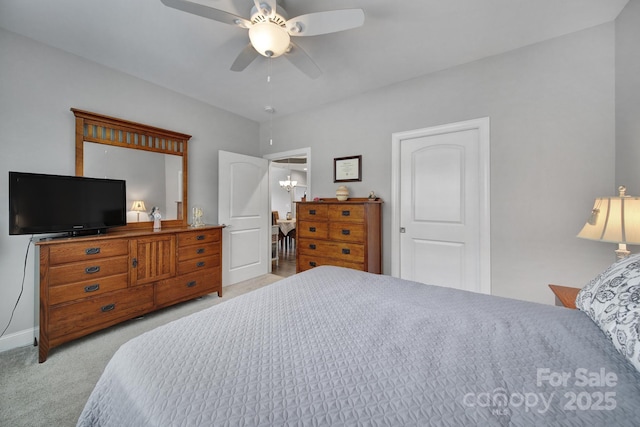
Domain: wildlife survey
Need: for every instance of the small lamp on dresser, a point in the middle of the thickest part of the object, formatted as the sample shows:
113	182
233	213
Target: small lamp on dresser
614	220
138	206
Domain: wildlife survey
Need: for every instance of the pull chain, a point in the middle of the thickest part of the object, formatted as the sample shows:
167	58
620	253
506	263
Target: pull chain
270	109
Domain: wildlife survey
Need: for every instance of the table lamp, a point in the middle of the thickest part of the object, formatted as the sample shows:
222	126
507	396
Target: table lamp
614	220
138	206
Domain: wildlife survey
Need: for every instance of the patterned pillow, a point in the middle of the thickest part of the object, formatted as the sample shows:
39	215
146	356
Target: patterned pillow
612	300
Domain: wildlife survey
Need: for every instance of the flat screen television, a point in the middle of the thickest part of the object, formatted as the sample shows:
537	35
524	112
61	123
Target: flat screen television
76	205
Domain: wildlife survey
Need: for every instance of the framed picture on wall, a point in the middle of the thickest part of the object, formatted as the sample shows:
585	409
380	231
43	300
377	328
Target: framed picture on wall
347	169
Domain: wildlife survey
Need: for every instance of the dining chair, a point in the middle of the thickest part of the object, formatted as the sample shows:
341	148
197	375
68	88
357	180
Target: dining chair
274	221
275	229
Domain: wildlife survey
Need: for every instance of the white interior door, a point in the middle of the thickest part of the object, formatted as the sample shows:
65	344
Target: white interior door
443	199
243	206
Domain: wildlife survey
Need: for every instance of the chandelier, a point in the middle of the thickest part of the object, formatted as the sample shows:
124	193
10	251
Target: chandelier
288	184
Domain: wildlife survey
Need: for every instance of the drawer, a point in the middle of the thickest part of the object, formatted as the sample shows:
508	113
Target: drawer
198	251
88	270
87	288
312	229
198	264
341	250
347	232
306	262
346	213
199	237
188	286
93	313
312	212
87	250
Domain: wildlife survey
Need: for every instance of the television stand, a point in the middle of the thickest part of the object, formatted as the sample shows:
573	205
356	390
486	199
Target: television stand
89	283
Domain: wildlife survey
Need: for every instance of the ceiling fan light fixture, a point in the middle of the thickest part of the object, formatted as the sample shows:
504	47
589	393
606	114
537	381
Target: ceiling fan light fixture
270	29
269	39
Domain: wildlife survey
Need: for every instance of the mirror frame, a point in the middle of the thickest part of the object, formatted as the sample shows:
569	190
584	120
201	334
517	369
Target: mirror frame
101	129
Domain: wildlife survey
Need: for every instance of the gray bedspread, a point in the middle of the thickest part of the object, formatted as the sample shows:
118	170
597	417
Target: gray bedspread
333	347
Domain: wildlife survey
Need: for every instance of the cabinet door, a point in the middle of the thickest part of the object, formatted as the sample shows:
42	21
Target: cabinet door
152	259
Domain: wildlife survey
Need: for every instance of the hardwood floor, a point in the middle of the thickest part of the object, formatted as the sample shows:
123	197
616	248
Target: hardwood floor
286	264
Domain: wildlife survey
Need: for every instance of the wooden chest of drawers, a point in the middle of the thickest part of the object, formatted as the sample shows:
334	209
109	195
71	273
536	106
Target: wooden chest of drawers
345	234
199	258
90	283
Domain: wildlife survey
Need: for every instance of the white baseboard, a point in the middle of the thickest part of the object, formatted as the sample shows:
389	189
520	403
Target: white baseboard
18	339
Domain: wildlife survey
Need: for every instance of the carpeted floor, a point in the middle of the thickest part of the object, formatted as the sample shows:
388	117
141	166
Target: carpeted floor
54	393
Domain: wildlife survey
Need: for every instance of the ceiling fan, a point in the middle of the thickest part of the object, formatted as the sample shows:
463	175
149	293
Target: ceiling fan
270	30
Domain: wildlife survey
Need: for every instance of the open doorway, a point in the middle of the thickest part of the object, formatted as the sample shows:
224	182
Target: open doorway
289	184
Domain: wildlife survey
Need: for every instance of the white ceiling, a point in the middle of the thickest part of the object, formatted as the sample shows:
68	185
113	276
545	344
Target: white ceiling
400	40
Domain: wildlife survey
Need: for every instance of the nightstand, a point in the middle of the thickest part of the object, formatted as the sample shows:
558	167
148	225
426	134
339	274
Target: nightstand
565	296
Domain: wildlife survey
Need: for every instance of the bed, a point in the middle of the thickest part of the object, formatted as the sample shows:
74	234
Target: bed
333	346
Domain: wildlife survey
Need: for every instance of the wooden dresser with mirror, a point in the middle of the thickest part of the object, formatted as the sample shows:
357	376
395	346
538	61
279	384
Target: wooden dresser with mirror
93	282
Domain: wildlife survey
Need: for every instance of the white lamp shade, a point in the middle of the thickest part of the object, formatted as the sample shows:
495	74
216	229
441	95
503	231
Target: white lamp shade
269	39
614	220
138	206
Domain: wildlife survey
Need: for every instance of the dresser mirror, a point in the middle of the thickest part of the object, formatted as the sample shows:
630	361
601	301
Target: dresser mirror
153	161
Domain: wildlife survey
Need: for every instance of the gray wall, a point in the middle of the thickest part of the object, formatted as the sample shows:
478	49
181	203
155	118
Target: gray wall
628	98
553	128
552	150
38	86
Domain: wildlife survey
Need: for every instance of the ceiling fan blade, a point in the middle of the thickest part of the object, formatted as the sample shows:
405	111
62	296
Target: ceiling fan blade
313	24
298	57
246	57
208	12
266	7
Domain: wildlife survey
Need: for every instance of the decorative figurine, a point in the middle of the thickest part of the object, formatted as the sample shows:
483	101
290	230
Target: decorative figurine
155	215
372	195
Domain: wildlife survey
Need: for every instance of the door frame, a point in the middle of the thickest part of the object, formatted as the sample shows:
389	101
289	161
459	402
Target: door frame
306	151
483	126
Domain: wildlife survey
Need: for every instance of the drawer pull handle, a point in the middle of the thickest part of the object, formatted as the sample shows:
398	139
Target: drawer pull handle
312	212
200	237
346	251
312	263
134	263
312	229
346	213
200	251
191	284
92	288
92	251
108	307
346	232
312	246
92	270
200	264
